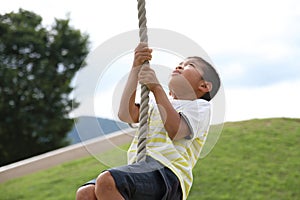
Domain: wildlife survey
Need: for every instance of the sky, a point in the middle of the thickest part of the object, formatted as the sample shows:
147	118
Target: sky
254	45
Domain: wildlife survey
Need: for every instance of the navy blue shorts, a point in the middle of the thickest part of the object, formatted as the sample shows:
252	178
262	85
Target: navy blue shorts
146	180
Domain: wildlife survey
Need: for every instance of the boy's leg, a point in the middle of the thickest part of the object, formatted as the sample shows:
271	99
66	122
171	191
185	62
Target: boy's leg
139	181
145	180
86	192
106	188
101	188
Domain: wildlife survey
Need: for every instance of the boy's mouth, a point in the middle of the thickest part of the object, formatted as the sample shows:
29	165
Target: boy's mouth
175	72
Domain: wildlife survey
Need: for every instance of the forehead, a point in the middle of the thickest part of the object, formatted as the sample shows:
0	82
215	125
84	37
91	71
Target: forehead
195	61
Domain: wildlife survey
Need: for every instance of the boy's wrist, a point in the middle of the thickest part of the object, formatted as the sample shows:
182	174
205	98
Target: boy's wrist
135	69
156	88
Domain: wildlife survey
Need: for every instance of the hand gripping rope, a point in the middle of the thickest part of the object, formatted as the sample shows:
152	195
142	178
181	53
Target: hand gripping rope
144	107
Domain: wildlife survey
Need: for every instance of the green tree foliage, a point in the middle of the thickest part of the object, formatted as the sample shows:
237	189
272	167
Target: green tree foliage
37	65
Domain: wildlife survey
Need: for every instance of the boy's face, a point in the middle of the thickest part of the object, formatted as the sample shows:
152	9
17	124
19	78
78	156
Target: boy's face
186	79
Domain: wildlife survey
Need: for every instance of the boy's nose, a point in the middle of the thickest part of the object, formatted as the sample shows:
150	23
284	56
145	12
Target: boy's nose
179	67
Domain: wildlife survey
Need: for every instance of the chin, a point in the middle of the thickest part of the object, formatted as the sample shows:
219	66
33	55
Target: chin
181	90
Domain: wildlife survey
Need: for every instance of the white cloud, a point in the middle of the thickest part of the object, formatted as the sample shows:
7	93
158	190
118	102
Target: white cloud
262	31
277	100
232	70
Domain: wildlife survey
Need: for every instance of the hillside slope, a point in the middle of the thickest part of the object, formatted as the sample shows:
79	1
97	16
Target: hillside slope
253	160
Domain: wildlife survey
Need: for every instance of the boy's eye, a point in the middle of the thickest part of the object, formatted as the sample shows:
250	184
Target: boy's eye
191	64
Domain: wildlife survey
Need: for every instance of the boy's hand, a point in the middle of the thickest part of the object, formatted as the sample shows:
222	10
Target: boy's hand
142	53
148	77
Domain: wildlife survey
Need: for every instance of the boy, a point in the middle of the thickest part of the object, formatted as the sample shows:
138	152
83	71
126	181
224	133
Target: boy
178	128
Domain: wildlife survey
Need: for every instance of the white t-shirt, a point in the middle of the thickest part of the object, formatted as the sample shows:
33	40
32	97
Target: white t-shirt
180	156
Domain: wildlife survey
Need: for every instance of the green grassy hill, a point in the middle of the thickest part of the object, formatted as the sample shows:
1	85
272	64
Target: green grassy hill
253	160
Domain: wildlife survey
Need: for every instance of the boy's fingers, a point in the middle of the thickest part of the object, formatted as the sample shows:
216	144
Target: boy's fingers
142	53
142	57
143	47
146	50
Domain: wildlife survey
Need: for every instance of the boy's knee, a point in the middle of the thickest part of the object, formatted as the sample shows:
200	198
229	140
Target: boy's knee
86	193
105	179
105	183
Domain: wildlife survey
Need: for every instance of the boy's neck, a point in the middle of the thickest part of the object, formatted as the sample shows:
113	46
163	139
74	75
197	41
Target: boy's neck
190	97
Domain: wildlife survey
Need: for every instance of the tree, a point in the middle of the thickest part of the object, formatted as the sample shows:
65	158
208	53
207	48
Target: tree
37	65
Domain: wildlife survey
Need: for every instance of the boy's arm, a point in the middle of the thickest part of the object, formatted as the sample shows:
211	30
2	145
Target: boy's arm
128	110
174	124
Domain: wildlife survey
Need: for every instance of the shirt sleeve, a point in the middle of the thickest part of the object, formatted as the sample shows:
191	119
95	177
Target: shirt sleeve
197	115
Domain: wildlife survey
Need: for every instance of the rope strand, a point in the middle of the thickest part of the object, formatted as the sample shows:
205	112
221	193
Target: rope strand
144	107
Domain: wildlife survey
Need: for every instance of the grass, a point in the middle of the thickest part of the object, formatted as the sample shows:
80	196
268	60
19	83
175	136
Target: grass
253	160
256	159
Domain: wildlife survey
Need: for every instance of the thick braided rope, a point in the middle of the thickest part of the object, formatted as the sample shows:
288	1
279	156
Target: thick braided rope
144	107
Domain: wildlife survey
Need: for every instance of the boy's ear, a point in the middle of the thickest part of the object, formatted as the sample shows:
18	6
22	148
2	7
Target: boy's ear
205	86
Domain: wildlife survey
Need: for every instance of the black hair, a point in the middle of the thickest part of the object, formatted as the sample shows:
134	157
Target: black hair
210	75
